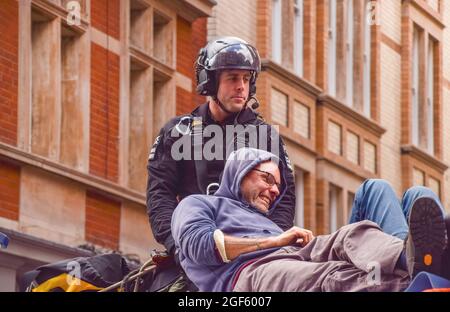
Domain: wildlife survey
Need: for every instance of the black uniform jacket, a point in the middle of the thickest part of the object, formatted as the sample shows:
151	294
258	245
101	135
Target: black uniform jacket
170	180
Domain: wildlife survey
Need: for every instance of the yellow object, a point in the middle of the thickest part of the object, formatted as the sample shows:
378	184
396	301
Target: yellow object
67	283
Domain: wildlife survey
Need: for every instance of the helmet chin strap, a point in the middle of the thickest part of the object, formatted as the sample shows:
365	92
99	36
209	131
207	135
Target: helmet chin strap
222	106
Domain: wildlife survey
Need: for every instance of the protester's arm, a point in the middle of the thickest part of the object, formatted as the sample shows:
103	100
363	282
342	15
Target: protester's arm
161	191
193	226
236	246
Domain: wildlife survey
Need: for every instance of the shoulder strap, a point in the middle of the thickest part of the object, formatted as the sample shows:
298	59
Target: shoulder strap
201	166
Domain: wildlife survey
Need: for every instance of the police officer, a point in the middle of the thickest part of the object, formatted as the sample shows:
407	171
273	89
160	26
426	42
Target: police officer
226	72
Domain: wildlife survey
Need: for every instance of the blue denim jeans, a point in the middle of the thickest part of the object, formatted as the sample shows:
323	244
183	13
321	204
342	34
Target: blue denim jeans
375	200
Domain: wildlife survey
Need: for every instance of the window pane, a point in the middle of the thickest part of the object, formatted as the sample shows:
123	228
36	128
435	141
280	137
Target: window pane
332	48
350	200
353	148
430	97
301	119
349	51
415	88
300	198
435	186
276	30
279	107
418	177
367	61
334	138
370	157
298	37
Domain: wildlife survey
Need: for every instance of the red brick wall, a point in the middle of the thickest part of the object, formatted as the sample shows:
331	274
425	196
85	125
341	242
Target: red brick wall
102	220
9	191
9	21
190	38
104	123
105	16
199	32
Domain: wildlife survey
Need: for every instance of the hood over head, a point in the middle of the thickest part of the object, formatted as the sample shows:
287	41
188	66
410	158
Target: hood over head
238	165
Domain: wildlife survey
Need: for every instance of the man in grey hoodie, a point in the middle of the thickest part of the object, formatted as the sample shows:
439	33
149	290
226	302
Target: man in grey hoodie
226	242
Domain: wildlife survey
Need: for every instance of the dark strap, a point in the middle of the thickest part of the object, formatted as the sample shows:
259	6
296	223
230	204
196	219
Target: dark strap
201	166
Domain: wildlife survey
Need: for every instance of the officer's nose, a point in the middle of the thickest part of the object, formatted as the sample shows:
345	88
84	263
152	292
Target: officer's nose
240	84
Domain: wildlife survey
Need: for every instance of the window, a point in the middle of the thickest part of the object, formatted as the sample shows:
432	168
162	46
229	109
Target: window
140	133
299	198
279	108
430	96
423	87
162	38
434	4
45	103
72	102
151	89
332	34
418	177
140	26
298	37
370	157
415	87
301	120
336	216
334	138
56	120
349	53
276	30
435	186
353	148
350	200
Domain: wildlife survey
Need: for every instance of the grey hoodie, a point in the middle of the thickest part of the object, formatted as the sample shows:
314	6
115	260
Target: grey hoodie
197	217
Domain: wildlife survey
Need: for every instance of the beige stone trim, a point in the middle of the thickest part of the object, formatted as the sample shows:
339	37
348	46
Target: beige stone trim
107	42
183	82
88	181
391	43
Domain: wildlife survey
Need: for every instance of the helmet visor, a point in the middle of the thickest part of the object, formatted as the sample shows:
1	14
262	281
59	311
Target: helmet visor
236	56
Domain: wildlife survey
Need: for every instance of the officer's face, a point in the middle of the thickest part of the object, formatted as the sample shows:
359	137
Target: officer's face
233	89
260	189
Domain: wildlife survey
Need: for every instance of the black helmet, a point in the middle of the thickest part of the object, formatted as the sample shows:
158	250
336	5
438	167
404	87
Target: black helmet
225	53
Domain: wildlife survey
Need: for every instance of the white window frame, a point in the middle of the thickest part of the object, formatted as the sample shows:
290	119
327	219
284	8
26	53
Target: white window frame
332	47
298	37
350	201
367	60
349	51
299	198
430	96
415	64
276	30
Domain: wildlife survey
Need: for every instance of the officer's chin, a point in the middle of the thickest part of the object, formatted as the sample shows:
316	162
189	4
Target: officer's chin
236	107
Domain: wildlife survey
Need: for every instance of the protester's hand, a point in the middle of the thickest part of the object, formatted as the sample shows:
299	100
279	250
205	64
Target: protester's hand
294	235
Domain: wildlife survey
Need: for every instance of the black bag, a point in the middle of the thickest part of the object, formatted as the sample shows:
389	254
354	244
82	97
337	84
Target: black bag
77	274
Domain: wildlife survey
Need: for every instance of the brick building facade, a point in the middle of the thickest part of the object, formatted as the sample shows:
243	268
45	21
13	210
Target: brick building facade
81	102
355	98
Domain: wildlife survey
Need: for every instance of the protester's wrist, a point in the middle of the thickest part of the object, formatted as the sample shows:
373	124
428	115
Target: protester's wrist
268	242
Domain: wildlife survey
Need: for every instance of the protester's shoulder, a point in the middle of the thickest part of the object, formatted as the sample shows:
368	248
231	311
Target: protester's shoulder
198	200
